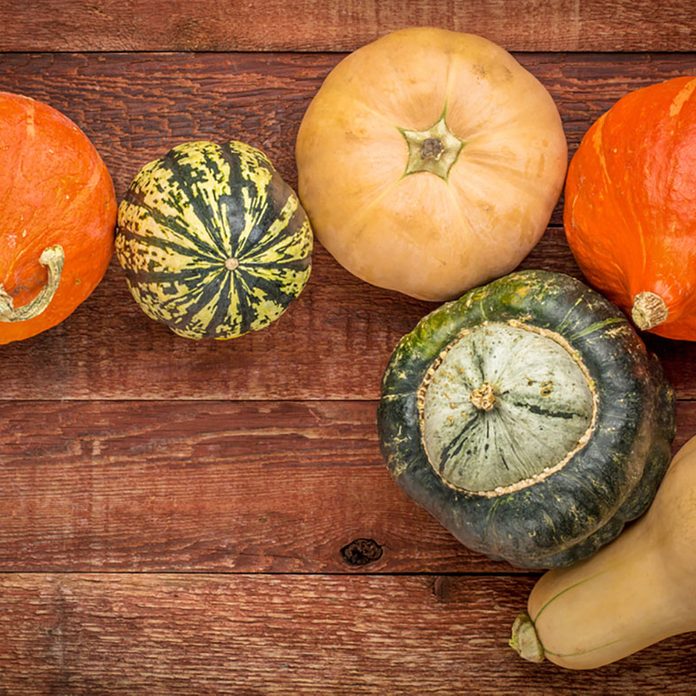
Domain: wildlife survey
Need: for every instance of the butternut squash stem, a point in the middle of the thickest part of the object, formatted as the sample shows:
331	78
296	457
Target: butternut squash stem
53	259
525	641
649	310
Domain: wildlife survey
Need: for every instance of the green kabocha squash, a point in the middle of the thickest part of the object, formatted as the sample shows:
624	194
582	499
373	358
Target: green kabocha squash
528	418
213	242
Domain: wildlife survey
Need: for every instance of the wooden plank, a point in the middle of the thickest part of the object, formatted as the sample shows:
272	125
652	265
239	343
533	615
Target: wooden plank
214	486
174	634
335	341
238	487
136	106
313	25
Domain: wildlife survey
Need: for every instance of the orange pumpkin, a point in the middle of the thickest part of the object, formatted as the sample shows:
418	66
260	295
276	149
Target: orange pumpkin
58	212
630	206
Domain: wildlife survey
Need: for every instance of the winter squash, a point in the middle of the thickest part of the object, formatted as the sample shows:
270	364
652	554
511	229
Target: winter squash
213	242
528	418
630	206
430	161
636	591
58	212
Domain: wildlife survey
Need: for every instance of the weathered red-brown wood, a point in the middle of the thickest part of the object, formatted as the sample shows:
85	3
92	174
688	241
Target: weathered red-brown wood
260	456
335	341
214	486
313	25
136	106
285	634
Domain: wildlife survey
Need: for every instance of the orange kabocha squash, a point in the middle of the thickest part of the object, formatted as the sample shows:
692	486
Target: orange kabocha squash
58	212
630	207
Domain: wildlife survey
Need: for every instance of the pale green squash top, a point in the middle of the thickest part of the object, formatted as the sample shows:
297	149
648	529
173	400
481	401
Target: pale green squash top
505	405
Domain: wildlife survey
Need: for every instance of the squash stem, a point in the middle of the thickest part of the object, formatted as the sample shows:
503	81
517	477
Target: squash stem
483	398
648	311
53	259
525	641
434	150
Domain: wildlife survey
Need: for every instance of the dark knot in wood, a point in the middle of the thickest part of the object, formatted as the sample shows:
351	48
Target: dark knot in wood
361	552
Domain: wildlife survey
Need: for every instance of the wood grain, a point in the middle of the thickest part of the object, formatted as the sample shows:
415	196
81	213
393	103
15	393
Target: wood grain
125	448
313	25
206	486
172	634
335	341
136	106
213	486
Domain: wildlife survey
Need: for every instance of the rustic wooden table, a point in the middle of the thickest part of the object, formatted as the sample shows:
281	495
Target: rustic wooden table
194	518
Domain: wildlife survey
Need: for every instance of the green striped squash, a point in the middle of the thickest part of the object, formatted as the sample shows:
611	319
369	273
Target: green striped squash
213	242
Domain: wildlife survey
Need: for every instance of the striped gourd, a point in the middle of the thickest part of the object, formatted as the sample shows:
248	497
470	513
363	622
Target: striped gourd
213	242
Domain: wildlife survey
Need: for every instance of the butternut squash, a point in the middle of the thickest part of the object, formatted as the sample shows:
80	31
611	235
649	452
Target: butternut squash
636	591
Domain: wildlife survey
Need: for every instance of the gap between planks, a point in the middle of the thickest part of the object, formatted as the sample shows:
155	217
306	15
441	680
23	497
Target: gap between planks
512	573
336	54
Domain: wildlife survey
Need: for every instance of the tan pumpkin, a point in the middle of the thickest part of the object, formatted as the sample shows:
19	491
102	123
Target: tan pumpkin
430	162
